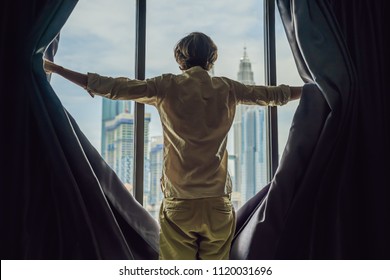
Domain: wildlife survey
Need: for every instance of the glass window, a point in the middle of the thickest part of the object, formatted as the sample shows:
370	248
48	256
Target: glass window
237	30
100	38
96	40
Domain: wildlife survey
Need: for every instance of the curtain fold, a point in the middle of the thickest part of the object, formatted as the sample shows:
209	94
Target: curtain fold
139	228
259	231
328	199
59	199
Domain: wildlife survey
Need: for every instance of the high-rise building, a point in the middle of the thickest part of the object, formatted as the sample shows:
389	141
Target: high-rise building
156	163
118	139
245	73
253	157
249	142
110	109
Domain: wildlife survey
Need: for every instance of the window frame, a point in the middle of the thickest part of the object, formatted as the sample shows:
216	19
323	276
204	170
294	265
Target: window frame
139	109
270	80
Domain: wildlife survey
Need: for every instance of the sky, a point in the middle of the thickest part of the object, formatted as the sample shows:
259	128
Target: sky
99	36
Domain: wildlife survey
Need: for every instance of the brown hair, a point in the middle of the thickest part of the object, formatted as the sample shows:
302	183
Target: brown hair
196	49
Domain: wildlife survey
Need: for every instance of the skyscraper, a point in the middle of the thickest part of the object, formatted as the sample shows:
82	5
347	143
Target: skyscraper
110	109
249	142
253	157
245	73
156	163
118	139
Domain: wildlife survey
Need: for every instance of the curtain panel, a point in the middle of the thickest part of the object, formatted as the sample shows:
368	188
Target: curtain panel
328	199
59	199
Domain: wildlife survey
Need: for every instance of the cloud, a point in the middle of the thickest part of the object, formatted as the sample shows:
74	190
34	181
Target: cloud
99	36
231	26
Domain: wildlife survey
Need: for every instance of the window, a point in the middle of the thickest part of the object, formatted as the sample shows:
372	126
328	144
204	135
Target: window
237	31
105	42
96	40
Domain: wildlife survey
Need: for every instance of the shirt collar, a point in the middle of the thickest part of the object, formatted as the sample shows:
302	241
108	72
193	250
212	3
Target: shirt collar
195	69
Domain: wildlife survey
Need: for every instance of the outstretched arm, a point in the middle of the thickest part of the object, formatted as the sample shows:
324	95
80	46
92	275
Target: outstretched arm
265	95
73	76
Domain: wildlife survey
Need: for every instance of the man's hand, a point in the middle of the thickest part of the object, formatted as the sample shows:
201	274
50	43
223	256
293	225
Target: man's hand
49	66
73	76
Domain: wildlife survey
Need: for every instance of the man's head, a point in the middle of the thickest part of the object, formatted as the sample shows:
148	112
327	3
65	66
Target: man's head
196	49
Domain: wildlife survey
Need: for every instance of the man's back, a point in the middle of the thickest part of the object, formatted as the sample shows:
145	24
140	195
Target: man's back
197	112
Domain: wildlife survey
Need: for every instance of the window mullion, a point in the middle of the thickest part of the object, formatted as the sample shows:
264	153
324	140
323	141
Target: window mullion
139	109
270	79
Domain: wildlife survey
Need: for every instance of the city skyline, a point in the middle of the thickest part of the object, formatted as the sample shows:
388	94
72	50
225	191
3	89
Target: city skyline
101	38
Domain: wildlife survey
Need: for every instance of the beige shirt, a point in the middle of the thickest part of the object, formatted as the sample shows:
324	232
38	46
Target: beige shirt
196	112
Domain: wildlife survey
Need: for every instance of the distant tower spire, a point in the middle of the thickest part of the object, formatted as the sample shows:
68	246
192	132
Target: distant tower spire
245	54
246	127
245	73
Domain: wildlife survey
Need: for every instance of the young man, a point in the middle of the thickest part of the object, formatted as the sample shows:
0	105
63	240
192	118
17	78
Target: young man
196	216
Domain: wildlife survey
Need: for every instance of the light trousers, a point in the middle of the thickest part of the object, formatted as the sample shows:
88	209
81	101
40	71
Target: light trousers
196	228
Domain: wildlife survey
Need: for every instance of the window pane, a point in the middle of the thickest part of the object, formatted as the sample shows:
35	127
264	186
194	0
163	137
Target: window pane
237	30
287	73
100	38
97	41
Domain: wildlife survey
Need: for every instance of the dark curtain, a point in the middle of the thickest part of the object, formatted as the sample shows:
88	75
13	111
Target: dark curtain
59	199
329	197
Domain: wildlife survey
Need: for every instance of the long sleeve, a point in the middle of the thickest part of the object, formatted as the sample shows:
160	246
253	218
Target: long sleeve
261	95
143	91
